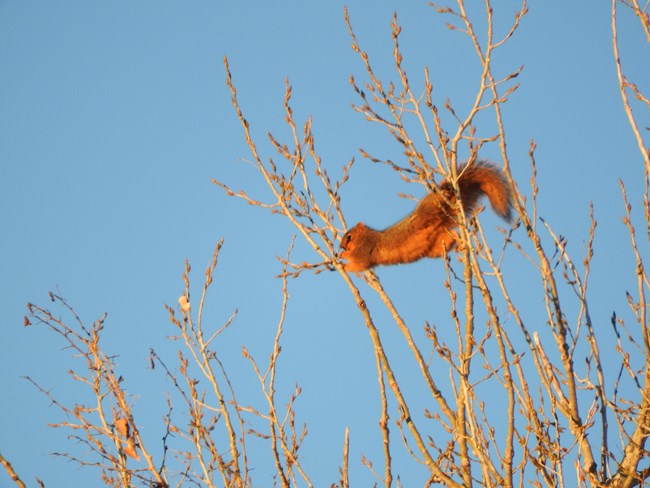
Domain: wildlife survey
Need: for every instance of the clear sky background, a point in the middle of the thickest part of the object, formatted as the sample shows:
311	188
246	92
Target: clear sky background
115	115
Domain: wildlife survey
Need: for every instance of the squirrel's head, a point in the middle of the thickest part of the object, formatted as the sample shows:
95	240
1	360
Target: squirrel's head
352	247
351	238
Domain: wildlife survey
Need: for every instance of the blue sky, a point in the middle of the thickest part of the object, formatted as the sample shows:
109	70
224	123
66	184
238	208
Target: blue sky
114	116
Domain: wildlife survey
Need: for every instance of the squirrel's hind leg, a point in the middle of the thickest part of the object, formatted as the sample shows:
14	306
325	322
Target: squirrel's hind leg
444	242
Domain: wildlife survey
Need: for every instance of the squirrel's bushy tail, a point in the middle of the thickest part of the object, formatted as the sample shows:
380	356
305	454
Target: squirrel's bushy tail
482	178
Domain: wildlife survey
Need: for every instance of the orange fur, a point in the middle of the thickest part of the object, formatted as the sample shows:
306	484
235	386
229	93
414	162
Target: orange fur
429	231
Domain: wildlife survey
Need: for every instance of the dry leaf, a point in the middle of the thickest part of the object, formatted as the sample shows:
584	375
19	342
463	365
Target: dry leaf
122	426
130	449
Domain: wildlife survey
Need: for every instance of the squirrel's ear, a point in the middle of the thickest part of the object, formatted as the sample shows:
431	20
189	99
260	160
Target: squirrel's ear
345	239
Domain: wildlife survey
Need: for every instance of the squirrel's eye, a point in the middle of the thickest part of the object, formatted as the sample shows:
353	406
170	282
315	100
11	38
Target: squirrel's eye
348	237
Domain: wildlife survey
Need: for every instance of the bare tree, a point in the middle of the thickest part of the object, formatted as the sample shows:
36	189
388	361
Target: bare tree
564	412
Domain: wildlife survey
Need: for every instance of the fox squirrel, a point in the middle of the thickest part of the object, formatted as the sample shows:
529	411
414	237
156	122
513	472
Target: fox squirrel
429	230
